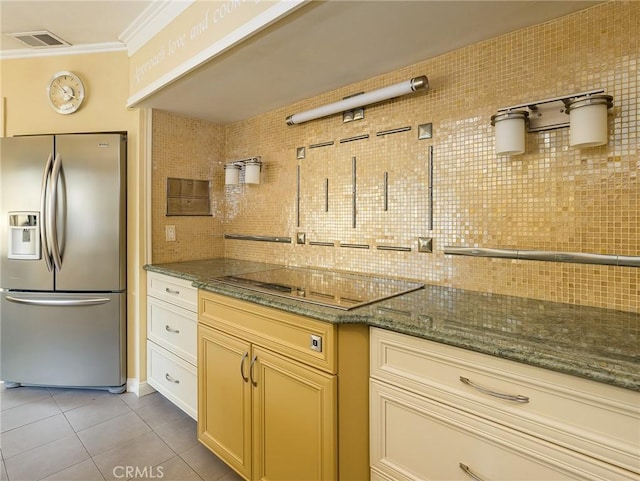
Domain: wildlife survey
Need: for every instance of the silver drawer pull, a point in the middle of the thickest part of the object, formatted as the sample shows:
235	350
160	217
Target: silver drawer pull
470	473
168	328
253	362
244	356
171	291
170	379
509	397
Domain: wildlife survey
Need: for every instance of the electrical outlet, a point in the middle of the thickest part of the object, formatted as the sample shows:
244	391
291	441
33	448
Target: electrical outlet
170	233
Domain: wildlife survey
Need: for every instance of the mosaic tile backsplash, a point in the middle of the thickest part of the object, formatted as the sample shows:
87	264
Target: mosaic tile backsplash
553	197
188	149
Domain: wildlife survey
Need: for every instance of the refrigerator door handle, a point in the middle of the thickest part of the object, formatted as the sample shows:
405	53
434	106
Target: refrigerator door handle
59	302
52	215
46	251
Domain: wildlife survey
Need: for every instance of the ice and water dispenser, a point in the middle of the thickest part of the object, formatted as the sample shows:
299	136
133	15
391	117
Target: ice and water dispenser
24	235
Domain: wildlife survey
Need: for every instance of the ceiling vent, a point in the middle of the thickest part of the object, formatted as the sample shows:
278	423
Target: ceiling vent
40	39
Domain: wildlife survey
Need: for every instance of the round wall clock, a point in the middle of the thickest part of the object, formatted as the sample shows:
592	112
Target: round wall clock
66	92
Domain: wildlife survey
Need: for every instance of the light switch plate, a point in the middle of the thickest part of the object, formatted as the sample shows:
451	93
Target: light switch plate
170	233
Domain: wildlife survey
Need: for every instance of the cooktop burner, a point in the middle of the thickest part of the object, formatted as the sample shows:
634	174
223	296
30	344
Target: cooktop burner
326	288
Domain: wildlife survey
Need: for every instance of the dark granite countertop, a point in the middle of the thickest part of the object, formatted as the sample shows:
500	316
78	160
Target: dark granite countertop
598	344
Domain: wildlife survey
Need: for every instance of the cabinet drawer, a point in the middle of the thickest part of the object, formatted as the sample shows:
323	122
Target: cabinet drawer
176	379
173	328
173	290
420	439
282	332
591	417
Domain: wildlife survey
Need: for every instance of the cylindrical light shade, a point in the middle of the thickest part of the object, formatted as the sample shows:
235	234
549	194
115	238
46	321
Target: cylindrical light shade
510	130
252	171
231	174
588	120
386	93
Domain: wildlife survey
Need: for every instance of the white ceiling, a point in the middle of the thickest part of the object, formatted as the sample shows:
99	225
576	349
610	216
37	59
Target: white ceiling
322	46
95	23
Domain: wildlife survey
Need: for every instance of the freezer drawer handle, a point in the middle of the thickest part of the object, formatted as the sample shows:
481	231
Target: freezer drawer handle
170	379
59	302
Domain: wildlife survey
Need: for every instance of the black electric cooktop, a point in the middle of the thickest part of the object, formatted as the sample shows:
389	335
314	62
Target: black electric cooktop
325	288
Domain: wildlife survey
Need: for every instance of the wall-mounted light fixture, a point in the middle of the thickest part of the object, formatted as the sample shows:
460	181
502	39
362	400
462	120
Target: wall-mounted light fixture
510	131
251	168
585	114
588	120
231	174
353	114
356	101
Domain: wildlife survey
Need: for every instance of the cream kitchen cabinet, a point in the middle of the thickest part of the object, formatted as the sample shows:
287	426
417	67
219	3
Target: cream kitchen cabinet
270	401
445	413
172	321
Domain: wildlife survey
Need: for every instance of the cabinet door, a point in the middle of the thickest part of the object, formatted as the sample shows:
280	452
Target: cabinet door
224	398
294	409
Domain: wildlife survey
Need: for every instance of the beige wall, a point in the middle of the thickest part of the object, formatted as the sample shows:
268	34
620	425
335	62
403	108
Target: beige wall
552	198
23	82
23	86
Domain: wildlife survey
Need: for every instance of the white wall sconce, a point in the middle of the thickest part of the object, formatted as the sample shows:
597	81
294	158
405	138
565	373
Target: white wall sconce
510	131
354	102
231	174
251	168
585	114
353	114
588	120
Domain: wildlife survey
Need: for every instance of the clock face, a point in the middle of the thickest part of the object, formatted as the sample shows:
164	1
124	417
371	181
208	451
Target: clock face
66	92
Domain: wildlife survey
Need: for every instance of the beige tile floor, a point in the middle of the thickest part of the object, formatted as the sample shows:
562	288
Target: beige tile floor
87	435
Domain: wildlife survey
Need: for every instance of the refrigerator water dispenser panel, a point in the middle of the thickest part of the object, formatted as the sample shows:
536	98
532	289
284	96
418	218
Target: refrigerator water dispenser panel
24	235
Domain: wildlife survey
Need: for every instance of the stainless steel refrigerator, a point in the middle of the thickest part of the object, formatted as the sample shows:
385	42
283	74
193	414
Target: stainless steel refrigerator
63	260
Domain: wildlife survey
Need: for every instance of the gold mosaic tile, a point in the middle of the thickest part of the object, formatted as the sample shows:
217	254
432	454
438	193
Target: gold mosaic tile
189	149
551	198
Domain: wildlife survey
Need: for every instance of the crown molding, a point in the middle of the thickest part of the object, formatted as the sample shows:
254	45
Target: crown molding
151	21
59	51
